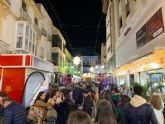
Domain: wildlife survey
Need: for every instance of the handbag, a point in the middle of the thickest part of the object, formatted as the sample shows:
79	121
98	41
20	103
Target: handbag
36	113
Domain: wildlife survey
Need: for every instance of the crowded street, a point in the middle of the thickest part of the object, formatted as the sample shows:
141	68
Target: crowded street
82	62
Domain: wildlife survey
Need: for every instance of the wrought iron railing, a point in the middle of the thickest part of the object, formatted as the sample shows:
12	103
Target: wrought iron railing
4	47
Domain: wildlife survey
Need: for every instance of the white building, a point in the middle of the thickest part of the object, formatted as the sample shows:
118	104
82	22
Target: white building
103	54
58	51
139	40
25	28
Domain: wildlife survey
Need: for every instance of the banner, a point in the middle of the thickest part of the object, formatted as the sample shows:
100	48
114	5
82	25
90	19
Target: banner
13	83
150	30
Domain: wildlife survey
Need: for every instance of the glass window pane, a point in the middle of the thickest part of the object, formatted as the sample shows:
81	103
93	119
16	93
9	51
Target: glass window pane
20	29
19	42
26	43
33	37
33	49
30	34
30	46
27	31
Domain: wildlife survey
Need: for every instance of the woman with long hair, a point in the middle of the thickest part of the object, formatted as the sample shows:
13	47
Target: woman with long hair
79	117
105	113
42	106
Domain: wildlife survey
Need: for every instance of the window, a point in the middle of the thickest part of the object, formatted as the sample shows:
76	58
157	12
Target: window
30	41
33	43
55	59
121	23
27	38
19	43
36	21
24	5
57	42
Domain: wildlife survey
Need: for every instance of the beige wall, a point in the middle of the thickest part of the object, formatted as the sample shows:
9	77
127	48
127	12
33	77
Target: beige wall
103	54
15	7
9	31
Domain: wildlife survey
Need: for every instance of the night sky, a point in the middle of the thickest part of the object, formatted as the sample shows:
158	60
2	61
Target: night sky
81	22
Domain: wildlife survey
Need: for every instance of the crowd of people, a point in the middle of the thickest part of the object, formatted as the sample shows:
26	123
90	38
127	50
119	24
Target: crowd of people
85	103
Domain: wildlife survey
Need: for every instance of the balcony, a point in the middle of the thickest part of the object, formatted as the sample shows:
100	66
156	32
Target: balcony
4	48
44	32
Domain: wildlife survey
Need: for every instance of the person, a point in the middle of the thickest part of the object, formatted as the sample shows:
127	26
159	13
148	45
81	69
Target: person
120	109
157	104
63	106
79	117
137	111
107	96
78	95
41	107
2	95
88	102
105	113
14	113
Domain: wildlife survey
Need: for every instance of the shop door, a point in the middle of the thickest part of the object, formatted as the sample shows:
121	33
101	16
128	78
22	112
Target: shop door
32	86
132	78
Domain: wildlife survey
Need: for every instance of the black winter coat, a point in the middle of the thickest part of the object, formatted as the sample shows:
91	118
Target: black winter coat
88	104
63	110
143	114
78	95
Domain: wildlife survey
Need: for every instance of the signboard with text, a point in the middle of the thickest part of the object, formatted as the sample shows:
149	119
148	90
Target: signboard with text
151	29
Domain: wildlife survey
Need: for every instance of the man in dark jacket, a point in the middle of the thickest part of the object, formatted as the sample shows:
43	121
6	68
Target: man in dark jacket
78	95
137	111
14	113
88	102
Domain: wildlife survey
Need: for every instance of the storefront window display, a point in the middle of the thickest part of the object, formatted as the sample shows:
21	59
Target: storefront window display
156	77
122	80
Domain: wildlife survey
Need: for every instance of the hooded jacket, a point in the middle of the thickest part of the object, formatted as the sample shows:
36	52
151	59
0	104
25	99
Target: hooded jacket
139	112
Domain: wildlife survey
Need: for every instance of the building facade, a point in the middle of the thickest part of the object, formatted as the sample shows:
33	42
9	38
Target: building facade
25	28
138	42
58	51
103	54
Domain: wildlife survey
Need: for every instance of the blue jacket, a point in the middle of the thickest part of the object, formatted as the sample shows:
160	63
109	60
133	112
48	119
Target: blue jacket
139	112
15	114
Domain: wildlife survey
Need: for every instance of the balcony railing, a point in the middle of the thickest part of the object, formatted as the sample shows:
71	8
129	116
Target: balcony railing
4	48
44	32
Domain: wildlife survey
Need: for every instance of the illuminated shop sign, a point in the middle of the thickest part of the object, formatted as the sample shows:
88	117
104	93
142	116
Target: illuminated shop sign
151	29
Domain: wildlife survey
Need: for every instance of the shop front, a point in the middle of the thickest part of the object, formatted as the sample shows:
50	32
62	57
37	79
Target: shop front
22	76
150	68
